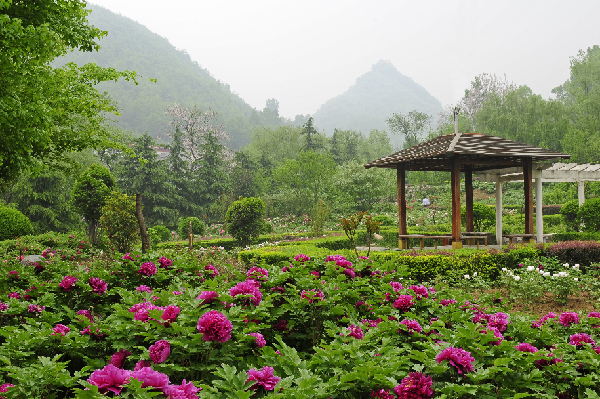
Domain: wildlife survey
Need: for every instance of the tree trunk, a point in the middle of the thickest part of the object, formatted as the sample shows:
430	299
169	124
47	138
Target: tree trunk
140	218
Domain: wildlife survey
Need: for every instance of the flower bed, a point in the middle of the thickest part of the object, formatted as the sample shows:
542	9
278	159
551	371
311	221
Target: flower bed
183	326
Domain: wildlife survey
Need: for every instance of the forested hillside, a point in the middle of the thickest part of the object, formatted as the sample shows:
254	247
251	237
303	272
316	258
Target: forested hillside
131	46
374	97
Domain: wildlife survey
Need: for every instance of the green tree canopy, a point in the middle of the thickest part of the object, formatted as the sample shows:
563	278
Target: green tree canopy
46	111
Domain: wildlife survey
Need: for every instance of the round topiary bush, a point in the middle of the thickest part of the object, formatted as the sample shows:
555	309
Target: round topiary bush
13	224
162	232
244	219
569	212
589	214
384	220
183	225
120	222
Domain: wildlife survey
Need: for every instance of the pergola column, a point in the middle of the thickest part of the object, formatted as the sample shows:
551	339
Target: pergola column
528	187
539	207
469	199
401	181
581	192
498	212
456	211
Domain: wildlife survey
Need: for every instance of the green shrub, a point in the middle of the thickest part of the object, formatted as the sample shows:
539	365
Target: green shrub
120	222
552	220
243	219
569	212
183	227
576	236
384	220
583	253
13	224
484	216
589	215
159	234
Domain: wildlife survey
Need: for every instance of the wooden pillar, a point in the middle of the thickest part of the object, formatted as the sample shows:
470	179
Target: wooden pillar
142	224
498	212
469	199
456	211
539	208
528	187
401	181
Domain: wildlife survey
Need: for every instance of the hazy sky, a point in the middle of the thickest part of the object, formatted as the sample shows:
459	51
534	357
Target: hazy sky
305	52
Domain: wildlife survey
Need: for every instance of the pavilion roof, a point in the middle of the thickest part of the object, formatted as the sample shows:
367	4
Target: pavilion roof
478	150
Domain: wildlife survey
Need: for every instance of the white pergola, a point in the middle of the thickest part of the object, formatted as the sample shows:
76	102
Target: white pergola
547	172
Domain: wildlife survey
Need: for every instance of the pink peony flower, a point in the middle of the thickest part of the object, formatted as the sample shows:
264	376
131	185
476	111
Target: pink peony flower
496	333
67	283
446	302
92	331
581	338
212	271
343	263
382	394
61	330
249	288
568	318
538	324
144	288
356	332
420	291
498	320
457	357
260	340
207	297
151	378
186	390
170	313
404	302
38	309
98	285
215	327
147	269
263	377
160	351
118	358
301	258
526	347
14	295
110	378
415	386
3	307
127	256
312	295
413	326
165	263
349	272
141	364
258	273
396	286
86	314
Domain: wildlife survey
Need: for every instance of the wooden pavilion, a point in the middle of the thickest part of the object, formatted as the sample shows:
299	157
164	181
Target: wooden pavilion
465	153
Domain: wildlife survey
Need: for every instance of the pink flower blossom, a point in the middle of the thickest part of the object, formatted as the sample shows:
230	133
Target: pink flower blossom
170	313
144	288
396	286
160	351
38	309
92	331
526	347
413	326
404	302
110	378
538	324
98	285
415	386
259	339
580	338
568	318
457	357
61	330
263	377
496	333
207	296
446	302
349	272
151	378
186	390
86	314
258	273
118	358
141	364
147	269
312	295
127	256
249	288
498	320
215	326
13	274
420	291
301	258
212	271
356	332
14	295
165	263
67	283
382	394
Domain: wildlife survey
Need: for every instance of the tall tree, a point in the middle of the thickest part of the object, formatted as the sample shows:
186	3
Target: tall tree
48	111
309	131
412	126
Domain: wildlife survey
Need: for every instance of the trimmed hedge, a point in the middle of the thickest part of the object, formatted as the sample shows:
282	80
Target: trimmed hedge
576	236
583	253
227	243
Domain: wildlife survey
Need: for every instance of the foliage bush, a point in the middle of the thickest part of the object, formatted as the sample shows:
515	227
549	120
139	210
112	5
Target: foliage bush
576	236
244	219
159	234
183	227
589	215
384	220
583	253
120	221
13	224
484	216
552	221
569	212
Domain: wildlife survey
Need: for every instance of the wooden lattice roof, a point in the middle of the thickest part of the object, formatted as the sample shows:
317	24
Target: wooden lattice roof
478	151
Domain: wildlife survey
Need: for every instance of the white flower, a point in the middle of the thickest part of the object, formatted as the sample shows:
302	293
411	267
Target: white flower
576	264
555	275
565	264
517	278
530	268
576	267
504	269
475	274
467	276
546	274
576	279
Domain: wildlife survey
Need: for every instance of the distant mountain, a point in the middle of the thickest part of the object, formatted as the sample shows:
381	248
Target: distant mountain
131	46
374	97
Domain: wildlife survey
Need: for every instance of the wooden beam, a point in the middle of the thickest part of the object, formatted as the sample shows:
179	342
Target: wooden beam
528	187
401	182
469	199
456	212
